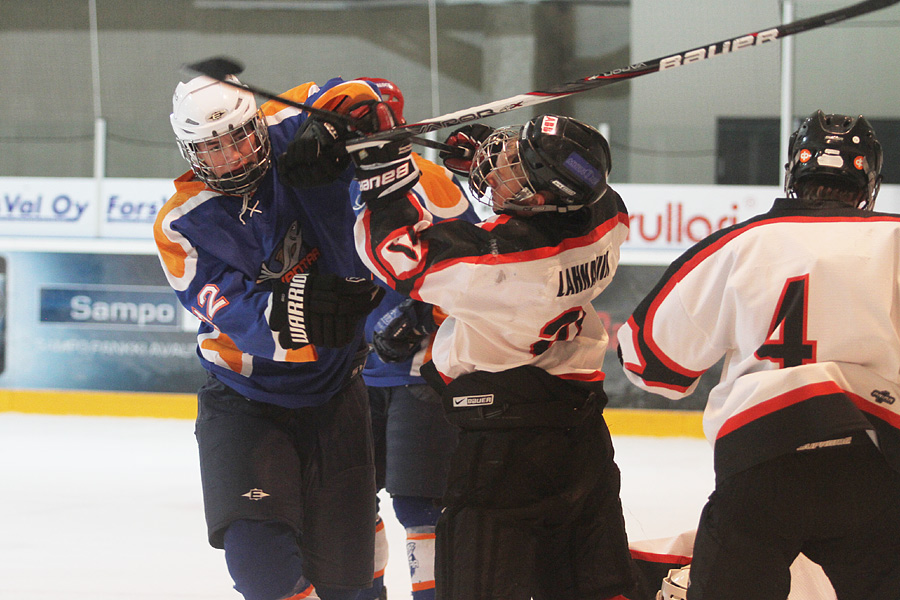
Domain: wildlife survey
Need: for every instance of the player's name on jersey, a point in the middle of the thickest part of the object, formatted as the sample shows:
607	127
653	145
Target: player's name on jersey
577	278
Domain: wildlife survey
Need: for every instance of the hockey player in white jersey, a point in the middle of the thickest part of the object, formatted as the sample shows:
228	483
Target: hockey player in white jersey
803	304
532	505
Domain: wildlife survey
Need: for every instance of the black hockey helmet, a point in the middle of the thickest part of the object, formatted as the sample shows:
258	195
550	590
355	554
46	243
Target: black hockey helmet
835	146
559	155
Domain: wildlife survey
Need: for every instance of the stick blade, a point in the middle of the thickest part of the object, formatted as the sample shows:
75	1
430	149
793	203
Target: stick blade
217	67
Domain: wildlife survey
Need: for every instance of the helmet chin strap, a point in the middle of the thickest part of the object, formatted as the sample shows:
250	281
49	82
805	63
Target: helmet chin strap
511	205
561	208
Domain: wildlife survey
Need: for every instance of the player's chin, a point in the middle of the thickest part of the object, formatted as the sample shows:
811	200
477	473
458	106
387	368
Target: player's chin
540	199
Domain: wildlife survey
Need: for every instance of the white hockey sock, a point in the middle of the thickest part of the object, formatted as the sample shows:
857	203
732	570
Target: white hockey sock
420	553
381	548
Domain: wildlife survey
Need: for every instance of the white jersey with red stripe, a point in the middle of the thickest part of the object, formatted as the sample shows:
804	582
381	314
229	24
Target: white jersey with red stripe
804	306
444	197
517	290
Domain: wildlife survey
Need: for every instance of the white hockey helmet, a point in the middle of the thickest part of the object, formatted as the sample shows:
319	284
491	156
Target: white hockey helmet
675	584
221	133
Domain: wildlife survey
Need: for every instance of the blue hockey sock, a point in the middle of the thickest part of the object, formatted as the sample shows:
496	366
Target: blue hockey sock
264	560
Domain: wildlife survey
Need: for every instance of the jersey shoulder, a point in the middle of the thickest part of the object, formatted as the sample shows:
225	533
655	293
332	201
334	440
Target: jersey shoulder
442	192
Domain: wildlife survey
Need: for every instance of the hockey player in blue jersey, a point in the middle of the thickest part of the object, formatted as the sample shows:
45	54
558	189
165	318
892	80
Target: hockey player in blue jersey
271	273
413	439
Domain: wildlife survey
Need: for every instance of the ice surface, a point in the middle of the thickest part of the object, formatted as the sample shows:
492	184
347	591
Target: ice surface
108	508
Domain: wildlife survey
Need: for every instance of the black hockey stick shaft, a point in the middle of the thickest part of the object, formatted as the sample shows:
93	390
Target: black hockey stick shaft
220	67
633	71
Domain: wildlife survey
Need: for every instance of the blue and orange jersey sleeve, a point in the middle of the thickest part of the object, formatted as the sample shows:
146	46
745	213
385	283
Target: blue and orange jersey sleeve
233	311
336	95
178	257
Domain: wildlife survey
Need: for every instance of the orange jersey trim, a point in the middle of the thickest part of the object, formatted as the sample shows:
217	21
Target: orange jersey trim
171	253
337	99
439	189
226	349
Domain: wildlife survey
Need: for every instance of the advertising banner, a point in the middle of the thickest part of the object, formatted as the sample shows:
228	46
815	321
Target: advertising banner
62	206
81	321
48	206
663	217
106	321
130	206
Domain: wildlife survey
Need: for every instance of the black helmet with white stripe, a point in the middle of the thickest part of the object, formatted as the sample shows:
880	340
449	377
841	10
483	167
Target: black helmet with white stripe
559	158
836	150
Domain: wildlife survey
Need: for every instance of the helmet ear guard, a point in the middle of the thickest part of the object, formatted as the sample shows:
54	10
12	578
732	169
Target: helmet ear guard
836	148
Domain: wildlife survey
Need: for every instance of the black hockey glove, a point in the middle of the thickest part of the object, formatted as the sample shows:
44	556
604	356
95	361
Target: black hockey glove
399	333
466	141
384	168
321	309
315	156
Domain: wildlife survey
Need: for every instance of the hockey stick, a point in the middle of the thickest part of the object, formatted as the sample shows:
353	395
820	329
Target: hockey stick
630	72
220	67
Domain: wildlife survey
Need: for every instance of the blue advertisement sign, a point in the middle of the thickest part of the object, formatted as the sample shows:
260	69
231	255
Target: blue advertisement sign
110	306
82	321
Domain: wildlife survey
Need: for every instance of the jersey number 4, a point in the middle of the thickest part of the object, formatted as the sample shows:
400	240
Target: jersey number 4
787	344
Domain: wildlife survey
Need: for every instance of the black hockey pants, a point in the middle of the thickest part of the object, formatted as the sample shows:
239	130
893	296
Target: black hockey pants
532	507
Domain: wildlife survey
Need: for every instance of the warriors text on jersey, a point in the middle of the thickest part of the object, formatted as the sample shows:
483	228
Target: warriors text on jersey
803	305
220	252
518	289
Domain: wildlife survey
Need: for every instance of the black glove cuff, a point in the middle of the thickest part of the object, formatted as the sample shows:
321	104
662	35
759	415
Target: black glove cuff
315	156
387	180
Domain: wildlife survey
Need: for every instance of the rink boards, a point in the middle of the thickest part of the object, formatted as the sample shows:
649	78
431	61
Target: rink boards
89	325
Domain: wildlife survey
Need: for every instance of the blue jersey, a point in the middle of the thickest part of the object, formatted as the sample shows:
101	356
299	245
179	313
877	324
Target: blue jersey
221	253
441	194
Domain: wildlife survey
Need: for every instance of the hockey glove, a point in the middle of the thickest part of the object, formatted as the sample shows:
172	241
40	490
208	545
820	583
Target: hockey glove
399	333
315	156
321	309
466	141
384	168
